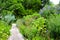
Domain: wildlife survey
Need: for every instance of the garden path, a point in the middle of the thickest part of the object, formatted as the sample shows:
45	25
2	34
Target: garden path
15	34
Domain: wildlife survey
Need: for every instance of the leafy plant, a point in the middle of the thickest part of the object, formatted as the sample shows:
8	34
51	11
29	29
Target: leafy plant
19	7
53	25
57	9
9	18
47	11
4	30
34	4
6	12
31	25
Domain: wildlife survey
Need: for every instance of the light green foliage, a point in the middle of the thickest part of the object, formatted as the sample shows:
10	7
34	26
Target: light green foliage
38	22
38	38
31	25
48	10
4	30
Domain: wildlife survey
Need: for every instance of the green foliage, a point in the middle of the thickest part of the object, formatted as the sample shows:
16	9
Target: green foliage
7	16
38	38
6	12
53	25
58	9
9	19
34	4
30	12
19	7
4	30
31	25
47	11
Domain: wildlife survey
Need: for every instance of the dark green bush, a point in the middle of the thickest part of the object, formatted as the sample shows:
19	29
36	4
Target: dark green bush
19	7
34	4
53	25
4	30
6	12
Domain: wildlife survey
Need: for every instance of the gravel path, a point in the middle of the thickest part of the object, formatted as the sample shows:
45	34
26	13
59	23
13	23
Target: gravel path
15	34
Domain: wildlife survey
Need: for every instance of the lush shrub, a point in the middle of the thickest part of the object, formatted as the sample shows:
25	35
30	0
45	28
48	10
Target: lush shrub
47	11
7	16
34	4
19	7
4	30
9	19
31	25
57	9
53	25
6	12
